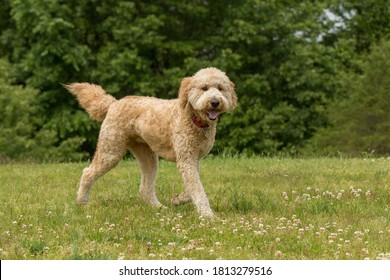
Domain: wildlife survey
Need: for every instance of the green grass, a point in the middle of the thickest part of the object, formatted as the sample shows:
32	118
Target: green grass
267	208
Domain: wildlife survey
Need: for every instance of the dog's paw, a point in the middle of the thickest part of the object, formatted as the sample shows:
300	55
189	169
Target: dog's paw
208	216
82	199
175	200
179	199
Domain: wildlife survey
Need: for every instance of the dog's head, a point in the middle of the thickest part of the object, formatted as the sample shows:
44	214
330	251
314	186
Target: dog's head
209	92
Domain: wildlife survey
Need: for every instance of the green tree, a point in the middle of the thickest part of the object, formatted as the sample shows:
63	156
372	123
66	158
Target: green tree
284	74
23	135
360	123
363	22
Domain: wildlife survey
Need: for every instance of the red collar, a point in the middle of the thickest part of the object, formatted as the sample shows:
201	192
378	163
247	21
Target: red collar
198	122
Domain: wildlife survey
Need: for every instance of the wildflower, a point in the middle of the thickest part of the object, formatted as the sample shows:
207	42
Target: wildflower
278	254
332	236
111	227
4	253
381	256
297	222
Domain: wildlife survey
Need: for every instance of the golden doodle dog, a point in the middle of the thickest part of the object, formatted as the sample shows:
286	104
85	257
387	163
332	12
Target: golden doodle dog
180	130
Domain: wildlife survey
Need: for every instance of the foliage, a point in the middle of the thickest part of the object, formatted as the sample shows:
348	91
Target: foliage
285	58
361	122
23	133
363	22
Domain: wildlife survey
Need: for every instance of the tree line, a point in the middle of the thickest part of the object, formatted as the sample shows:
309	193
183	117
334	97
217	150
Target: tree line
311	76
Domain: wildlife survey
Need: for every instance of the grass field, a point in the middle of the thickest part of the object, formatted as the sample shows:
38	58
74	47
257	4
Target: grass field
267	208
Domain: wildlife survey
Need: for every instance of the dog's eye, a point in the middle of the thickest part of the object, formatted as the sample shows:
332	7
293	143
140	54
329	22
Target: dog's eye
205	88
220	88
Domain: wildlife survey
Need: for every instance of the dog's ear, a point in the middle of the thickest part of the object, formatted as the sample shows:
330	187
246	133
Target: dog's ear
234	95
183	91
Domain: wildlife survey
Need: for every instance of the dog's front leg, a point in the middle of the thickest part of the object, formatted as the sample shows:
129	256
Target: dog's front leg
189	170
185	196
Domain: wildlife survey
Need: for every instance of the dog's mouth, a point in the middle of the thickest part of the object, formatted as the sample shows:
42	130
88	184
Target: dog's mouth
213	115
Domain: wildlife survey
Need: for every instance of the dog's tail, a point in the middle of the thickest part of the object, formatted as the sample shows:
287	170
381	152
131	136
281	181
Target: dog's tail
92	98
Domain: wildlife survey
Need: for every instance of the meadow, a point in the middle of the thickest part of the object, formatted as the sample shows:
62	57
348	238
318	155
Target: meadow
266	208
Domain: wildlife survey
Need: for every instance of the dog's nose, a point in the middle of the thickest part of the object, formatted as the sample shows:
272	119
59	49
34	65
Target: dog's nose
214	103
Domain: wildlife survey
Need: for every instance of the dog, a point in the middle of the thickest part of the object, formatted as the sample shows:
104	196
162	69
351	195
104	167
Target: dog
180	130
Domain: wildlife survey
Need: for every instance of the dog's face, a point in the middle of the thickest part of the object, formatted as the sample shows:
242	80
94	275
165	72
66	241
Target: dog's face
209	92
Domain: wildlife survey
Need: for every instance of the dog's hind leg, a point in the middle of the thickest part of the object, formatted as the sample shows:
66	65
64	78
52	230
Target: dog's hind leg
148	163
108	153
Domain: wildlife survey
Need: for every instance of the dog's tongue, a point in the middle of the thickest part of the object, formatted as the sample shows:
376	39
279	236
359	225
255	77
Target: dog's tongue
213	114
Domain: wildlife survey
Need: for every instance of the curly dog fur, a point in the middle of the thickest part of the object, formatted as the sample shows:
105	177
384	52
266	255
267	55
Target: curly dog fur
180	130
